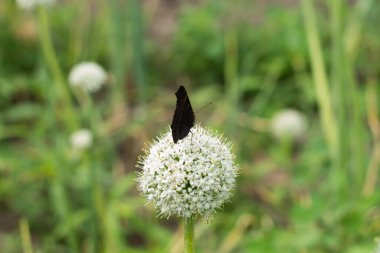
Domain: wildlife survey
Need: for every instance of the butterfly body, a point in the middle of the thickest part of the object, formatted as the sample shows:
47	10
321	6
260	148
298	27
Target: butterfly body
183	118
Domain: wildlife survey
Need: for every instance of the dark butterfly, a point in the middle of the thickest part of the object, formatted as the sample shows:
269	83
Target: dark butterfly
183	118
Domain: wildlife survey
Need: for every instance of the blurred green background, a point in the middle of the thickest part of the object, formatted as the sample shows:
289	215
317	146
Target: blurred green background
318	192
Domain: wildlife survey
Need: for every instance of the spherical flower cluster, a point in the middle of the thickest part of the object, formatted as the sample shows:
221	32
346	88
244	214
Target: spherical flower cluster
288	124
89	76
81	139
192	177
31	4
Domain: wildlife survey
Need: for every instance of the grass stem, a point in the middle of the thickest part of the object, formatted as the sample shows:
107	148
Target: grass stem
25	236
62	93
321	83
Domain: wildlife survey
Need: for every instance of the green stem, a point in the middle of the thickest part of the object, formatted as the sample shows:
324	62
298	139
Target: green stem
138	57
231	77
321	83
352	44
47	46
52	61
189	235
341	89
119	50
25	236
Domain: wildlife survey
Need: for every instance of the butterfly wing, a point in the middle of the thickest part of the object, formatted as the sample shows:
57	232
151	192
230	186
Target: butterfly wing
183	118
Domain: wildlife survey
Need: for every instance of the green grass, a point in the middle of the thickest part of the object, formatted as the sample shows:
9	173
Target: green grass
317	195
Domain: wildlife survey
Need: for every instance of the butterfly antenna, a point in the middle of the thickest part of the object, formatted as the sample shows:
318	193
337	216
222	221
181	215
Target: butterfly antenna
205	106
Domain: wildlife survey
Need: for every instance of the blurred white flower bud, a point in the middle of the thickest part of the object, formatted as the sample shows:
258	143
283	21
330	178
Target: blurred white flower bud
289	124
89	76
31	4
81	139
377	249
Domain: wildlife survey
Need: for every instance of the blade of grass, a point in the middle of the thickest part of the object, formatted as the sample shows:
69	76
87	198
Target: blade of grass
321	84
352	42
353	35
340	95
231	76
138	43
62	92
374	124
25	236
119	50
267	87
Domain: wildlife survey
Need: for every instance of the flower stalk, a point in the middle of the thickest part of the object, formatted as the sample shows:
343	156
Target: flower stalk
53	64
191	178
189	235
48	50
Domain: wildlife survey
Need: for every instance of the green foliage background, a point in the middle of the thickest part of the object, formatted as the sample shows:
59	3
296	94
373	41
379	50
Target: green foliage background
251	59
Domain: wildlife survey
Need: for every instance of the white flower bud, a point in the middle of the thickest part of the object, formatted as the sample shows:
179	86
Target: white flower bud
288	124
89	76
31	4
81	139
377	250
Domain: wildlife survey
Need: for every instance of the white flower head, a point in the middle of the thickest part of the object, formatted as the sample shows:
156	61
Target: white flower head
377	249
31	4
289	124
89	76
81	139
195	176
